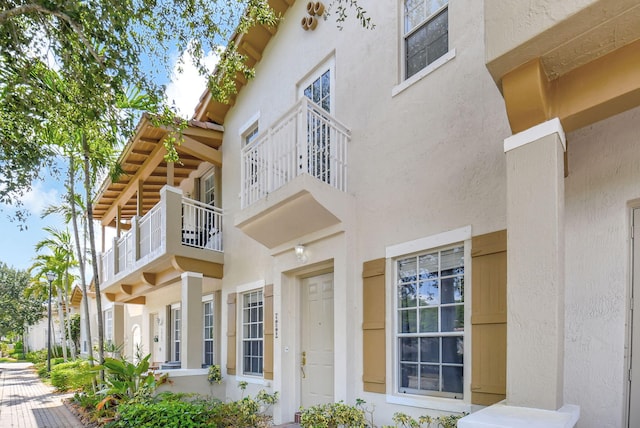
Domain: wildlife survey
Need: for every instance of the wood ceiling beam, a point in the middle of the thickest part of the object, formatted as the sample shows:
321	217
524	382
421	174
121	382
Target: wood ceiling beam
202	151
251	50
154	159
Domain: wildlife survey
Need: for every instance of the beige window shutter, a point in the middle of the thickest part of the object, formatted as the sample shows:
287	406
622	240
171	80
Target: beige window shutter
489	318
267	357
231	333
373	326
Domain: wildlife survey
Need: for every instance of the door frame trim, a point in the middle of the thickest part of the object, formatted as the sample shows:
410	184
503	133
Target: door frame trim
302	275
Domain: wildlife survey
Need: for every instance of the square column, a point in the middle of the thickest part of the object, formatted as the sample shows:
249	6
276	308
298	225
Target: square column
535	266
191	330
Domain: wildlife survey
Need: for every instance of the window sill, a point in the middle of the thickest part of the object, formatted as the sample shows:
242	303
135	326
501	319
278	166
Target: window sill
434	403
183	372
253	380
424	72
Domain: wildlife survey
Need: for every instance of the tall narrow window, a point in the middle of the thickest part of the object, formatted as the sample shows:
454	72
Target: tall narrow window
426	33
319	91
108	326
318	128
176	321
430	322
252	333
207	310
207	189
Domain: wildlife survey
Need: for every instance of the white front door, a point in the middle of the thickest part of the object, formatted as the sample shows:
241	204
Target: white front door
317	340
634	378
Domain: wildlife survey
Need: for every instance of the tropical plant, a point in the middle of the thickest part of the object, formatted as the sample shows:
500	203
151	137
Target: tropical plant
126	381
58	258
214	374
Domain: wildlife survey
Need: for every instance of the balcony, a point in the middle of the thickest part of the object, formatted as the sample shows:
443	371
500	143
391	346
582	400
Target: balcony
177	235
294	176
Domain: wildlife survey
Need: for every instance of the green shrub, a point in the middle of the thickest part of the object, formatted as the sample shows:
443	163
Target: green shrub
333	415
72	375
37	356
169	414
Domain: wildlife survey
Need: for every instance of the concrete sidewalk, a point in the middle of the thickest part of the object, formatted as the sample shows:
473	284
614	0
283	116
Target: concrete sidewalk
25	402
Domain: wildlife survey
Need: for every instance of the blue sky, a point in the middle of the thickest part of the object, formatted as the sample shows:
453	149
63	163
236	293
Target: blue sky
17	246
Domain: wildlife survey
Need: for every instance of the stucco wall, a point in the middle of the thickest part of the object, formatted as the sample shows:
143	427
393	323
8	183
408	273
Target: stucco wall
604	176
423	161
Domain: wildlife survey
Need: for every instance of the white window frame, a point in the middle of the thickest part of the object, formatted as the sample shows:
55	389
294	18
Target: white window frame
108	326
176	315
250	325
211	174
394	253
251	125
208	300
241	376
328	63
406	82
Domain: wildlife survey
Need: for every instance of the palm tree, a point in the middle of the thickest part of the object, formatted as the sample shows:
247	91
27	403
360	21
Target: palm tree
60	260
71	213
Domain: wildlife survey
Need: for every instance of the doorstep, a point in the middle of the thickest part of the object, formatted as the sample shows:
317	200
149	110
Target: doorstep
501	415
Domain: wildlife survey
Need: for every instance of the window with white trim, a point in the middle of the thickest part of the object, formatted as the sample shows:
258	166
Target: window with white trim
430	322
208	324
208	188
250	134
425	33
176	327
252	333
108	326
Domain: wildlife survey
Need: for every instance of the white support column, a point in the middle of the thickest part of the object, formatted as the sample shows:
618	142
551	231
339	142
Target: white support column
171	200
118	325
191	340
535	266
535	285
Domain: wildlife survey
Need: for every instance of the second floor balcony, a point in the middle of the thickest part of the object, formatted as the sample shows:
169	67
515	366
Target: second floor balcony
177	234
297	168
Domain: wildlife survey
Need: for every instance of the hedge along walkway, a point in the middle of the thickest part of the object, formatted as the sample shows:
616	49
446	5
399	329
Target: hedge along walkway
26	402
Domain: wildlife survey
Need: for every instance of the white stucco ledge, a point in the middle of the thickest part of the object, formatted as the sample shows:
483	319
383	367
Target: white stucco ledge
183	372
552	126
502	416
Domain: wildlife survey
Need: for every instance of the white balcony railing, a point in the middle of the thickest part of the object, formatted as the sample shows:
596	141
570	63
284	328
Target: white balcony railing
305	140
201	227
151	232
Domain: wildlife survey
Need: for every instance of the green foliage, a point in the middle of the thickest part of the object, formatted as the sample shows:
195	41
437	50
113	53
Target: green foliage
16	309
169	414
214	374
333	415
72	375
245	412
126	380
74	321
406	421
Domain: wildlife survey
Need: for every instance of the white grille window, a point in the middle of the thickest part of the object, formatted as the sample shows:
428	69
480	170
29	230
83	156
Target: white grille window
430	322
252	333
108	326
425	33
207	310
176	321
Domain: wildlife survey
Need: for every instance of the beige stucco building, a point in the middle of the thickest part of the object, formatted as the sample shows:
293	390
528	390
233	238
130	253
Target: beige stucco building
433	216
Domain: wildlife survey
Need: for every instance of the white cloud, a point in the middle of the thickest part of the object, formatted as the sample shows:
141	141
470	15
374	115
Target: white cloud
39	198
187	85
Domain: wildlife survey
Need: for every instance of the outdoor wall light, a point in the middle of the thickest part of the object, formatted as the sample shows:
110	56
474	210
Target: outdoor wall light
301	254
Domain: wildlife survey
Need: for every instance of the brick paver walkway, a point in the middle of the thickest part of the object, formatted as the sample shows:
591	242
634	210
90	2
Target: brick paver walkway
25	402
